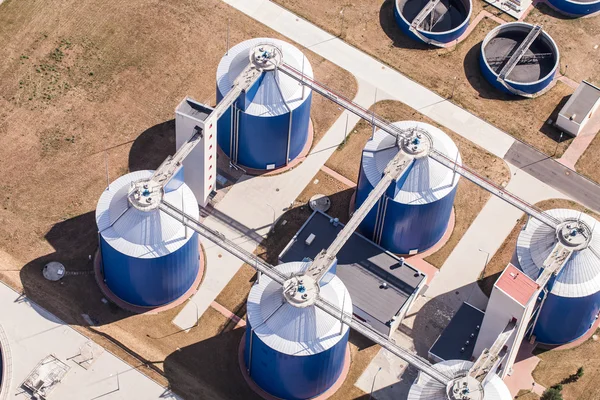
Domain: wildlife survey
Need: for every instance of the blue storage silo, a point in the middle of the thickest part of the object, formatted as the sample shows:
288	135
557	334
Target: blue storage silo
149	259
294	351
576	8
534	74
446	23
414	213
572	303
268	126
427	388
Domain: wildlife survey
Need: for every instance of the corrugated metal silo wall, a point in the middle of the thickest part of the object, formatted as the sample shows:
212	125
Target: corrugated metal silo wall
492	78
442	37
406	227
150	282
565	319
293	377
263	140
572	8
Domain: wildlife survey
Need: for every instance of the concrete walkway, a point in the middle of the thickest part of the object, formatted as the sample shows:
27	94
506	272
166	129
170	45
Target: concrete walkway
581	142
256	203
33	333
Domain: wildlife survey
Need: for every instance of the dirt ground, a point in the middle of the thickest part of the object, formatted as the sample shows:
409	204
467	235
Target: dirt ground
370	26
506	251
589	162
84	83
469	198
527	395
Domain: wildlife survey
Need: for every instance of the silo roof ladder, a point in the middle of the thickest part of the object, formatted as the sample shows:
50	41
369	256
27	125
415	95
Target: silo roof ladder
519	52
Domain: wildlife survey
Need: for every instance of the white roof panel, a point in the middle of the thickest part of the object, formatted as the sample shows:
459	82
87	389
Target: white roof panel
268	100
138	233
427	180
580	276
292	330
426	388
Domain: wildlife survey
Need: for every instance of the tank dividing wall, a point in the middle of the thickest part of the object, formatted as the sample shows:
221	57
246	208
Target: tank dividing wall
294	353
416	209
576	8
530	78
274	109
148	258
454	21
572	303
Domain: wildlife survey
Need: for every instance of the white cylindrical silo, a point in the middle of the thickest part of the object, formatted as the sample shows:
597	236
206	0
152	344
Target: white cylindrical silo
148	258
572	304
294	350
414	213
427	388
268	126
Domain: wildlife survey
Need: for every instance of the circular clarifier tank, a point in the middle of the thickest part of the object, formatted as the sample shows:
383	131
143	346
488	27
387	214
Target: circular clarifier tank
294	350
414	213
576	8
148	258
534	72
572	303
446	22
268	126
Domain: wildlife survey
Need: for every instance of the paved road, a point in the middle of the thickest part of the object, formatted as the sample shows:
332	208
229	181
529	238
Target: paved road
554	174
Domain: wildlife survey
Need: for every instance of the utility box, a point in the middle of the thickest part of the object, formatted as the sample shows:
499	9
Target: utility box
200	166
579	109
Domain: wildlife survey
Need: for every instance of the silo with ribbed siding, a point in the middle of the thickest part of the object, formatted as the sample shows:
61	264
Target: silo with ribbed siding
572	303
414	213
148	258
268	126
295	351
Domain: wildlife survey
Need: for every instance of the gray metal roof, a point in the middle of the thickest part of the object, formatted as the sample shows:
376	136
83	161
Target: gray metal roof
363	267
459	330
581	102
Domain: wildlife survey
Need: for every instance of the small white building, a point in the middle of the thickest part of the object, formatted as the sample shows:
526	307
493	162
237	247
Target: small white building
579	109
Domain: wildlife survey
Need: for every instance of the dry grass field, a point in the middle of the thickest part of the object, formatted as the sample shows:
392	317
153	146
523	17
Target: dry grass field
87	82
470	199
370	26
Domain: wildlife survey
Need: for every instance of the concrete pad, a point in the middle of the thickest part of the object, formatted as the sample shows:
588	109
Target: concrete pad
33	333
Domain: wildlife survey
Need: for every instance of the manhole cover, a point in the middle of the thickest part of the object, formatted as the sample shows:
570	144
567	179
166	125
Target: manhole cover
53	271
319	202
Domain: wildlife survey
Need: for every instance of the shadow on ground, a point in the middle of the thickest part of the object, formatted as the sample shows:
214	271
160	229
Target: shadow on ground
551	12
77	294
152	146
552	131
388	23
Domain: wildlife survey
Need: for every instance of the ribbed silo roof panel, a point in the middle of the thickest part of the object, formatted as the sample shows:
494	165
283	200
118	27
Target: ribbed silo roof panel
277	91
580	276
293	330
426	388
142	234
427	180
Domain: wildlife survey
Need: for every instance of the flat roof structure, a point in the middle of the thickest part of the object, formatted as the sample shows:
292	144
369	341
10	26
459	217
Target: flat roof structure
363	266
464	326
517	285
580	107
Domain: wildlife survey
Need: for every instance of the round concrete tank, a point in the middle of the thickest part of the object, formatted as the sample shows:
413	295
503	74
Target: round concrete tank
576	8
295	350
414	213
535	71
426	388
446	23
572	304
148	258
268	126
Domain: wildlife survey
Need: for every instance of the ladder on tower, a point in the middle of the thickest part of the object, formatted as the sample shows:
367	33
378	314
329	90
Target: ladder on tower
519	52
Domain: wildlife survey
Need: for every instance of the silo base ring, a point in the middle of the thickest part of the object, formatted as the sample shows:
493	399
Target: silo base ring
259	391
147	310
